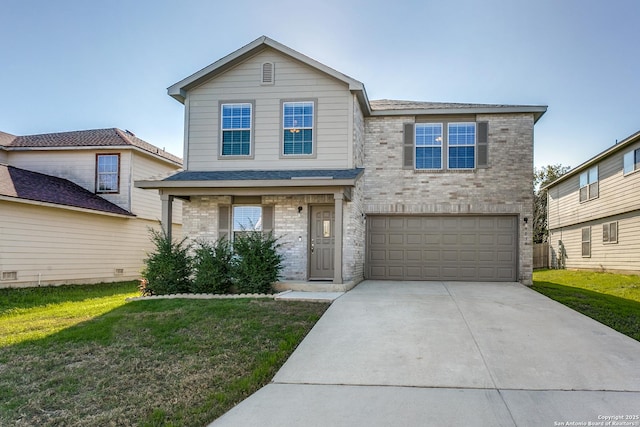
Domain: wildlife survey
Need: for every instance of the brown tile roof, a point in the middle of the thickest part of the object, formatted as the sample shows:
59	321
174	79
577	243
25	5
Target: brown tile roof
111	137
24	184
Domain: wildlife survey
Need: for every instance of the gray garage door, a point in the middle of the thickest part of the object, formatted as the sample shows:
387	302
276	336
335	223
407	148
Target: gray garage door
479	248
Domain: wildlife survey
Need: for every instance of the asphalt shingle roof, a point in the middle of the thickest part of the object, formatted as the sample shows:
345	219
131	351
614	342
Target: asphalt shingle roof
392	104
111	137
260	175
24	184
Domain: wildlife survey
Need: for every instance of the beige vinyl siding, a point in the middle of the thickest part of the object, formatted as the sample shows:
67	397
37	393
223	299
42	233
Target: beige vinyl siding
3	156
146	204
77	166
623	256
293	81
51	245
617	194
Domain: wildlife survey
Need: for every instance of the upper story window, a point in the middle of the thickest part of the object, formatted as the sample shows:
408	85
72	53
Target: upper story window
447	145
107	173
298	124
236	129
428	146
631	161
462	145
589	184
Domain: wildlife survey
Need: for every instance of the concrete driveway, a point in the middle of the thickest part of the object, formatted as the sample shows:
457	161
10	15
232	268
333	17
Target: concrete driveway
448	354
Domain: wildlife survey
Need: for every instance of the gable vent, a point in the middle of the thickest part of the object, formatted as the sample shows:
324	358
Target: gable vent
267	73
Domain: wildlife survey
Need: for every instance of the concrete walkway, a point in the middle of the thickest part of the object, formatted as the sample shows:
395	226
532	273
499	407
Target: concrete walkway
450	354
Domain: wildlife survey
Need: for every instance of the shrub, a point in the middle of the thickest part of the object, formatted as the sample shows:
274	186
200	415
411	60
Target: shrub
167	269
212	265
257	263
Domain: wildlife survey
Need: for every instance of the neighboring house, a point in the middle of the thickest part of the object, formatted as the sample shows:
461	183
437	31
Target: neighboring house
594	212
69	212
276	141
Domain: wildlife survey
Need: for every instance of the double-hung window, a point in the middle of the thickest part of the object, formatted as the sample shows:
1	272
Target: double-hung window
246	219
298	123
462	145
589	184
428	146
236	129
632	161
610	232
107	173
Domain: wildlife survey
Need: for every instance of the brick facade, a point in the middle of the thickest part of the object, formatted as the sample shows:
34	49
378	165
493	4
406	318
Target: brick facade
505	187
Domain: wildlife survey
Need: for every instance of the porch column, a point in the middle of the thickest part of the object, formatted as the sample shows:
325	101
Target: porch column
167	213
337	262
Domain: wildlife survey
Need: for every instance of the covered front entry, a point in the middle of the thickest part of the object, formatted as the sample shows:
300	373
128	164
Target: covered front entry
478	248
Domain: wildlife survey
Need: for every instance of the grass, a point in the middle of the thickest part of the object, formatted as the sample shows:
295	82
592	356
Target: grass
611	299
88	358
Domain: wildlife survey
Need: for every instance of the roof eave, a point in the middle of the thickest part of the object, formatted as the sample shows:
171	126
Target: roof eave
298	182
595	159
537	110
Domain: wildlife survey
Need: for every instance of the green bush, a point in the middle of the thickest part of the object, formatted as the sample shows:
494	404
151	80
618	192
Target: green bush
257	263
168	268
212	266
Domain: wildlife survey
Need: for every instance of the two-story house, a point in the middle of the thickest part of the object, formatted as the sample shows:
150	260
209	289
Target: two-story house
353	188
69	212
594	212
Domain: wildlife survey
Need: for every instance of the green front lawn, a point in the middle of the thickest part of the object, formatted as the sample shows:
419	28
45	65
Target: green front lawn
611	299
80	355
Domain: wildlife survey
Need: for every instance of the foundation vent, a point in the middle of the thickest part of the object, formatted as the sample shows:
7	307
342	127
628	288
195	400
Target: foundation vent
9	275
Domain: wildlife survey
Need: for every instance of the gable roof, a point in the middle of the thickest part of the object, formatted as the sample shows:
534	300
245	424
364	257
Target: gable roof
631	139
34	186
179	89
386	107
96	138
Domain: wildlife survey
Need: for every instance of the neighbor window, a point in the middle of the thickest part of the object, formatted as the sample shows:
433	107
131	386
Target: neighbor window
246	219
610	232
632	161
107	173
297	118
428	146
586	242
236	129
462	145
589	184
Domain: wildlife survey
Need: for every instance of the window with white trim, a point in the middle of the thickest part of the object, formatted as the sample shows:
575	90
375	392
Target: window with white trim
586	242
246	219
297	118
610	232
631	161
107	173
235	122
461	139
589	184
428	145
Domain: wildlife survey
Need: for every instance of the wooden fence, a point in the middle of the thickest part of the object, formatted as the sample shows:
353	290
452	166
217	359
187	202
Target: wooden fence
541	255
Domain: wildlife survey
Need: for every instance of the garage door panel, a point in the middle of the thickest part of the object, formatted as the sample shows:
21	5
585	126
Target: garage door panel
442	247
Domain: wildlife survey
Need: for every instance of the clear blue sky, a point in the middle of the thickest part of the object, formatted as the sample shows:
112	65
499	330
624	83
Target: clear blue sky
71	65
